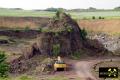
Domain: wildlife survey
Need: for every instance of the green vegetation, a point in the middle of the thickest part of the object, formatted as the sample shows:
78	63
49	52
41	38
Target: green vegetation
56	49
58	14
89	15
22	77
69	28
25	13
27	28
4	38
4	67
77	15
54	9
76	55
93	17
58	78
83	33
17	29
56	34
40	29
25	78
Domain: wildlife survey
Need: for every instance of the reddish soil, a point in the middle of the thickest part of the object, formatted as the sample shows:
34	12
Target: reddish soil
107	25
22	22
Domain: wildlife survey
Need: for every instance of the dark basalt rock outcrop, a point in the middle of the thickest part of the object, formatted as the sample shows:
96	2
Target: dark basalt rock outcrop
64	31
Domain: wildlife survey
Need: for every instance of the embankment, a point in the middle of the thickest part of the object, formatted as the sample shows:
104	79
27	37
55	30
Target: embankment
106	25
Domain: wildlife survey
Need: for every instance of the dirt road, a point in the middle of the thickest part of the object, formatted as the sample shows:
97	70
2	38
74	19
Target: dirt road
84	68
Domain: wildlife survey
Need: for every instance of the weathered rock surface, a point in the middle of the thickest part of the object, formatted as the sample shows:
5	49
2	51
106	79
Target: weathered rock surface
111	43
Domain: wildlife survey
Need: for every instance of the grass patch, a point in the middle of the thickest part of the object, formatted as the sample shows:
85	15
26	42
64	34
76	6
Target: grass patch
25	78
76	15
4	38
76	55
58	78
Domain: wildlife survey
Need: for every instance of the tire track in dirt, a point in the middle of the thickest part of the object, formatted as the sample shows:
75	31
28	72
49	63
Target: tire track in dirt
84	68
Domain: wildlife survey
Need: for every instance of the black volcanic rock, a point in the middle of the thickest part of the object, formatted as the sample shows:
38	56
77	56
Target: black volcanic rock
65	31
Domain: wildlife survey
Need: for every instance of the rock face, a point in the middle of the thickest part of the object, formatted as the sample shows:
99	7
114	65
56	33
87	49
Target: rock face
64	32
19	34
111	43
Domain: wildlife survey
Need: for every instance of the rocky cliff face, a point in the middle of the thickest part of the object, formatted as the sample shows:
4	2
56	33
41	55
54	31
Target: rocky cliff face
64	32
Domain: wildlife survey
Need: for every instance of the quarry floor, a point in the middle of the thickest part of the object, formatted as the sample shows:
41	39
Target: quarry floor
80	70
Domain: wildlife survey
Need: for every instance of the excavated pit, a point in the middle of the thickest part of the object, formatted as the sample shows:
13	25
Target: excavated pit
62	30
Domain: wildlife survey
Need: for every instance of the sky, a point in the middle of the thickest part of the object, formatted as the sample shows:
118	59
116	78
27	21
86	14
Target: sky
68	4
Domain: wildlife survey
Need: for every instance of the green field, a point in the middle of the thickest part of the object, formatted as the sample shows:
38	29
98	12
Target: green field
89	15
24	13
76	15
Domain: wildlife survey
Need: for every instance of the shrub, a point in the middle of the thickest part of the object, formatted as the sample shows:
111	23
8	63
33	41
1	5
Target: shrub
103	18
83	34
25	78
69	29
27	28
69	15
59	12
56	49
56	34
100	17
93	17
17	29
76	55
40	29
4	67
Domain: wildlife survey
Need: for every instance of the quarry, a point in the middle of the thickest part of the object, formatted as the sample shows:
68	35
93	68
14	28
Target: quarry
33	50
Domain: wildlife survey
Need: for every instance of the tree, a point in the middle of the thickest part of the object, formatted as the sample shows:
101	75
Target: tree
59	11
93	17
4	67
117	8
100	17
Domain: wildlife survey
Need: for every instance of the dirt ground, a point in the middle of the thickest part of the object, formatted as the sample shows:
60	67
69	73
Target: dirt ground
36	22
83	68
107	25
80	69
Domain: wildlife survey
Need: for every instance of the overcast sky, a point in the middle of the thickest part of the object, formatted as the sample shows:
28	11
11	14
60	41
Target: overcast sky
68	4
